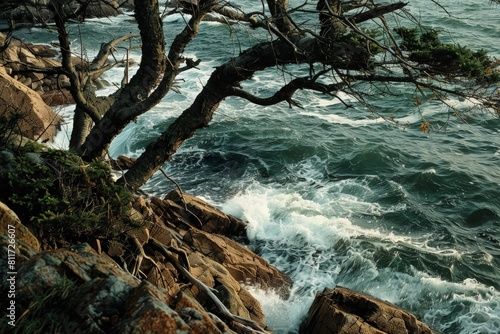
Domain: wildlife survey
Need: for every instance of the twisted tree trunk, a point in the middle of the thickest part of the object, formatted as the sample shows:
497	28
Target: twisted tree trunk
293	46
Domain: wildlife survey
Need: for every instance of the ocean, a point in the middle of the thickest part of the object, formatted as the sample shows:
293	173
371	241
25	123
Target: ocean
336	196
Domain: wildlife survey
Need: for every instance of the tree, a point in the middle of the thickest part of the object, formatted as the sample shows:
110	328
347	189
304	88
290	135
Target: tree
339	54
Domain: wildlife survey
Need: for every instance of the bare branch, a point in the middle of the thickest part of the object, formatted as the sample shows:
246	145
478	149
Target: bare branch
105	50
286	92
76	85
377	12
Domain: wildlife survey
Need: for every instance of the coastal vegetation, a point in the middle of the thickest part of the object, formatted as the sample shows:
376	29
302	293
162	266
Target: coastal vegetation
342	53
71	197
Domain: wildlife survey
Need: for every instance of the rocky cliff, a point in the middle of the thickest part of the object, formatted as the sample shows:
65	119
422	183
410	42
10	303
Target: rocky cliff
22	109
150	269
143	264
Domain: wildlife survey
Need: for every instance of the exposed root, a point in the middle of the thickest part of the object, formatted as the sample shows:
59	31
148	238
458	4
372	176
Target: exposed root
142	255
240	323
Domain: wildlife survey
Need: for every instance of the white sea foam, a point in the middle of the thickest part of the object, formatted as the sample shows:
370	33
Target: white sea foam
322	220
337	119
61	140
429	171
318	248
282	316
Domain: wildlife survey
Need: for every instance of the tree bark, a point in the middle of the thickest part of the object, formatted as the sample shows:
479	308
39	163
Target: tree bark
299	48
135	99
81	128
77	82
82	123
220	85
146	78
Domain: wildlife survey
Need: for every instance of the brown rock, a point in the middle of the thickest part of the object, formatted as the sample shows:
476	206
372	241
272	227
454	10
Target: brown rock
11	54
6	70
37	119
36	77
51	63
236	298
57	97
122	162
147	311
238	301
102	298
38	10
212	219
126	3
27	57
26	81
243	264
195	316
346	311
103	9
44	51
9	221
139	203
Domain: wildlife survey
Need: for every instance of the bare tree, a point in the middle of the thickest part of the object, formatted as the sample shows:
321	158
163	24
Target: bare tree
345	53
338	52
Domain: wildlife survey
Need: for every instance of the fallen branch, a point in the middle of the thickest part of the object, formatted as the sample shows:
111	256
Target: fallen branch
142	255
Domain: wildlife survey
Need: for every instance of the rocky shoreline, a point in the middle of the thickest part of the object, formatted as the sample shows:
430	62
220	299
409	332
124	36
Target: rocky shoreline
107	298
181	267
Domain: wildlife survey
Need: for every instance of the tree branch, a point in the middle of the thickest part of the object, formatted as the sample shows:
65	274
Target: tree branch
286	92
377	12
67	64
135	98
106	48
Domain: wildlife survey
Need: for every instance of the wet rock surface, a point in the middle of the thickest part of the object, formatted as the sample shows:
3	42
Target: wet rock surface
102	287
346	311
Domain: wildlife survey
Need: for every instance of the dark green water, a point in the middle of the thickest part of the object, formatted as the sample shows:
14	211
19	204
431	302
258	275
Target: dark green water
335	195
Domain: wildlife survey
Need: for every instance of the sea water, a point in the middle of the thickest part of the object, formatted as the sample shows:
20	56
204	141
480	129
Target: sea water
334	195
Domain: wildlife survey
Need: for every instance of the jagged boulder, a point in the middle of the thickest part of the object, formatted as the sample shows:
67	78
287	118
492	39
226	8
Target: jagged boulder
128	4
209	232
345	311
78	290
34	65
243	264
203	215
10	221
29	114
216	260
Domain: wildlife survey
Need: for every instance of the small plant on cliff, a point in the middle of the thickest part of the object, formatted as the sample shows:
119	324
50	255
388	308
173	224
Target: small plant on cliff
47	312
64	199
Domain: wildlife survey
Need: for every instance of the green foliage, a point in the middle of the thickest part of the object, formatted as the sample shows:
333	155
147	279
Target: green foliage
61	196
361	42
47	312
424	47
